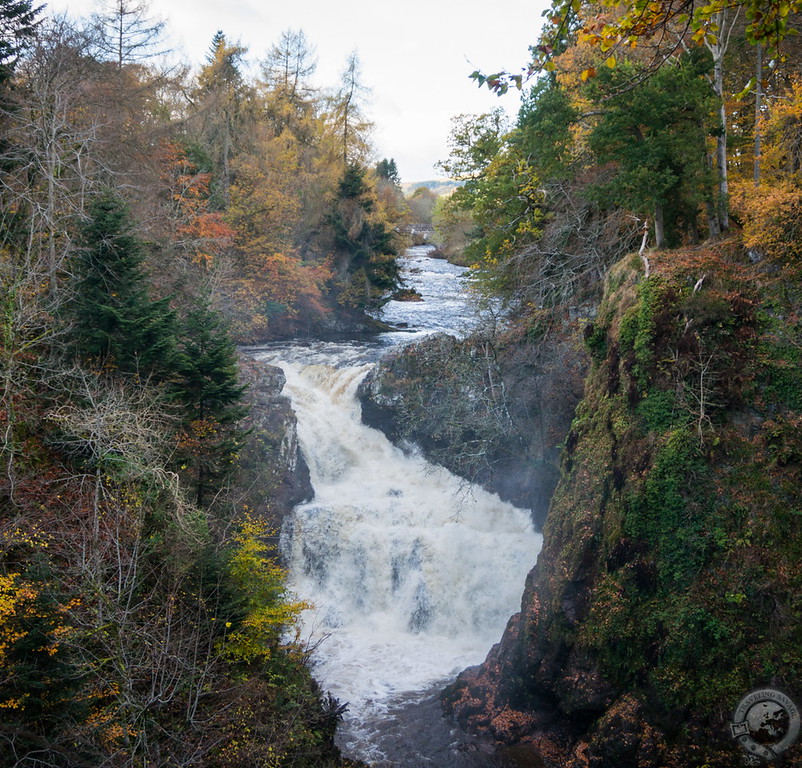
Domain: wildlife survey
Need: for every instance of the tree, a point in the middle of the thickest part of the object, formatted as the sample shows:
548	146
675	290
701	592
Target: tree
289	64
365	248
206	386
220	97
387	169
664	27
421	204
630	22
500	193
18	25
473	142
126	33
545	130
350	122
718	43
114	320
52	147
656	135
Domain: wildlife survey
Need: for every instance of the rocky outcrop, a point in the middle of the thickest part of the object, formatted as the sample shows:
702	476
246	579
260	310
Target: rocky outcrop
274	472
490	409
668	585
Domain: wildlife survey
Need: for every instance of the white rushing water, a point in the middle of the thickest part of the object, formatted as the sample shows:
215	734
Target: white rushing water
412	572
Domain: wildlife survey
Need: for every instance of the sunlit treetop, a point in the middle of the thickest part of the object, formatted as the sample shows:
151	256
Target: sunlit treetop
613	24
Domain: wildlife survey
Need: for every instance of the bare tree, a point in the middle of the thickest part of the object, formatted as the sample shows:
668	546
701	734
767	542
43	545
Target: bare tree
53	146
352	125
126	32
289	64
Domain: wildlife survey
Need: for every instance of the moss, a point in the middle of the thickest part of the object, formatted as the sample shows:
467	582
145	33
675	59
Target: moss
782	373
596	342
674	611
658	411
671	549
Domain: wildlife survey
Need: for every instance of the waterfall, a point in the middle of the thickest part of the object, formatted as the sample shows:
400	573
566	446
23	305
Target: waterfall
412	572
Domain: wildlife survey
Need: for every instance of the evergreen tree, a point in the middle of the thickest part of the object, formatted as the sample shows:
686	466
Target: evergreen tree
221	97
115	322
365	246
387	169
17	27
656	136
207	387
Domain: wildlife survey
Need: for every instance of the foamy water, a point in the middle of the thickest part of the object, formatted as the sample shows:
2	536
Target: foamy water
413	572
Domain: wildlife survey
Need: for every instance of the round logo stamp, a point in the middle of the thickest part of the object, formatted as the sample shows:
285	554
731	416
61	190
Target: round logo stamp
766	722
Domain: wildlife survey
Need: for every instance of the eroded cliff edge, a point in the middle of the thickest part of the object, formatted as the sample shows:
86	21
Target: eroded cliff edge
669	583
492	408
273	475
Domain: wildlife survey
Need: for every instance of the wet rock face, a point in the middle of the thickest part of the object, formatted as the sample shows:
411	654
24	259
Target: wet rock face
490	410
274	470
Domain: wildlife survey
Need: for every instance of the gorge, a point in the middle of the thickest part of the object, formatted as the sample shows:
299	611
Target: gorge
397	556
632	621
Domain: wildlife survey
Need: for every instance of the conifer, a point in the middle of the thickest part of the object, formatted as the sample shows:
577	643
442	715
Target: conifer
207	387
115	322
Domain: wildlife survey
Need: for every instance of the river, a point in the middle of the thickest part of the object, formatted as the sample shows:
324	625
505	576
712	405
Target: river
412	572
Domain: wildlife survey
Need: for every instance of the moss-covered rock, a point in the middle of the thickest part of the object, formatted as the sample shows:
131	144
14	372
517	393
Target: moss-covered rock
669	583
492	409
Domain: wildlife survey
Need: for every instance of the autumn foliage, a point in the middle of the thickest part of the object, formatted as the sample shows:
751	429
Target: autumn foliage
148	220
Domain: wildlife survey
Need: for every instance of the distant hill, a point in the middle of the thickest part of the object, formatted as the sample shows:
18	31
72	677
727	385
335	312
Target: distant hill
438	186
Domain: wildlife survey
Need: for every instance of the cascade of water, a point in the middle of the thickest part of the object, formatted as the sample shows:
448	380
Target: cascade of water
413	573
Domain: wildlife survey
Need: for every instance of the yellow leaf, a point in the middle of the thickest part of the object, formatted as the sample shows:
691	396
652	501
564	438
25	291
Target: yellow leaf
610	62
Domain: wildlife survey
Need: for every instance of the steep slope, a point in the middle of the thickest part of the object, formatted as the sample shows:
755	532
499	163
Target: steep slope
668	586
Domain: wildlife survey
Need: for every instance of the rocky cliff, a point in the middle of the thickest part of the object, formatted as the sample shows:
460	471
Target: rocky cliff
273	471
492	409
669	583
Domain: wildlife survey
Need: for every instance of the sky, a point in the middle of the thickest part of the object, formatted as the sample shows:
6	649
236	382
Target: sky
416	55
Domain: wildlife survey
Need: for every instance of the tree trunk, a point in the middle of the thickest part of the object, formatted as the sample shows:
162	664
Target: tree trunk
659	227
721	146
758	104
718	50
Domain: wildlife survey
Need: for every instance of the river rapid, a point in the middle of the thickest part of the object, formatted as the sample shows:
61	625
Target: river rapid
412	572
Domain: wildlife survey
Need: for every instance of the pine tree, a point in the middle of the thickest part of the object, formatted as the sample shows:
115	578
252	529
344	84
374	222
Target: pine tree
17	27
388	169
115	322
207	387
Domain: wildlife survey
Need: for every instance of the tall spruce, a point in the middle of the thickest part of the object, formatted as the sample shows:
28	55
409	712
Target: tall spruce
207	387
18	24
115	322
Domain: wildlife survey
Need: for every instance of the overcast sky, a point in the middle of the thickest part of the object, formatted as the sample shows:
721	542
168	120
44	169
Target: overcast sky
416	55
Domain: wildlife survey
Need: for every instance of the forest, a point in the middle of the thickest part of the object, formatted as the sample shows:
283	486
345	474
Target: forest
153	218
643	211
